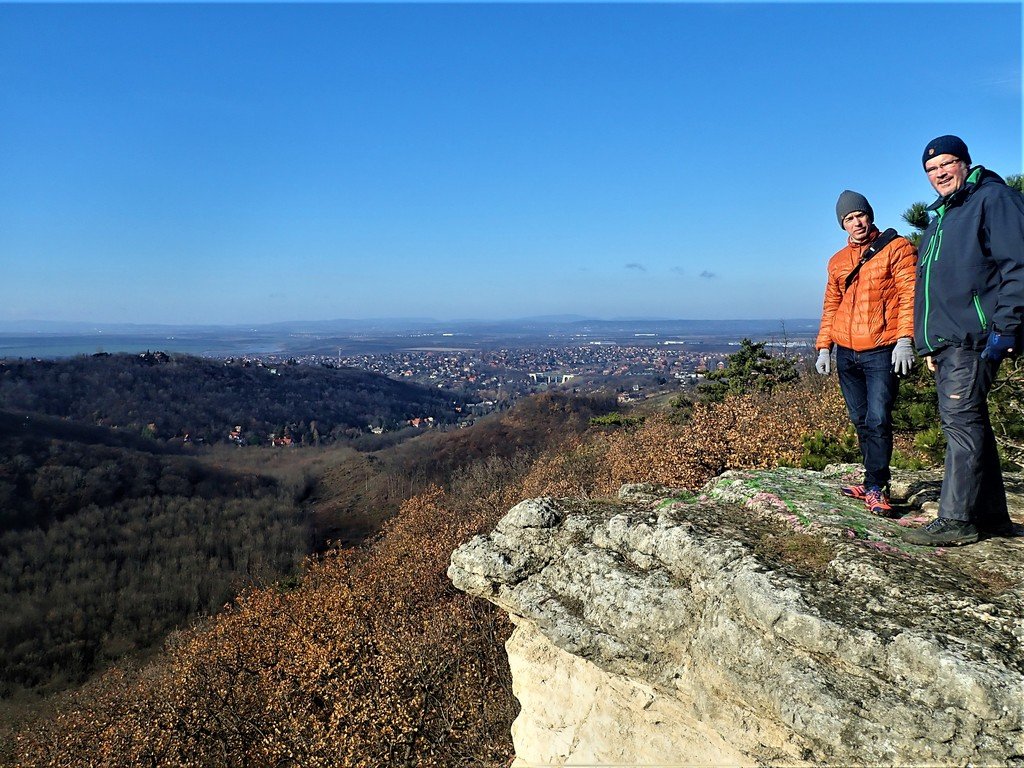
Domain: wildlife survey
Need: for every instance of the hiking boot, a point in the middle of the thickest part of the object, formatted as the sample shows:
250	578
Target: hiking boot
942	532
877	502
854	491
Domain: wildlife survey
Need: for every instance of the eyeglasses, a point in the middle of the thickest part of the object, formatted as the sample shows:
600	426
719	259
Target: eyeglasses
946	165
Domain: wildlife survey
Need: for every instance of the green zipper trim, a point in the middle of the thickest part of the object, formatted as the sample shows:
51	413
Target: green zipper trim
981	313
934	246
931	256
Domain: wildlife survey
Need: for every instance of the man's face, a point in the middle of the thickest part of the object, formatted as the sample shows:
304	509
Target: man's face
947	173
857	225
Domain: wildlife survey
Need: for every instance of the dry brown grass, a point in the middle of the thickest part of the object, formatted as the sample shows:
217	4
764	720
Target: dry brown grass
743	432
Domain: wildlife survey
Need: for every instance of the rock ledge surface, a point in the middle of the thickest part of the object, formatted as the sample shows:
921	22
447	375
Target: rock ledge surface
766	620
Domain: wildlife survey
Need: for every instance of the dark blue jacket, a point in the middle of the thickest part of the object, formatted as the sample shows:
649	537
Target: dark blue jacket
970	273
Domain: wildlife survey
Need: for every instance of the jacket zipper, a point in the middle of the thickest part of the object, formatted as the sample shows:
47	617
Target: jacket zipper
934	245
931	256
849	329
981	313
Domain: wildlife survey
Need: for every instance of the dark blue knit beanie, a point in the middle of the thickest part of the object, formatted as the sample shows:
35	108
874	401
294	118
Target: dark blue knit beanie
946	145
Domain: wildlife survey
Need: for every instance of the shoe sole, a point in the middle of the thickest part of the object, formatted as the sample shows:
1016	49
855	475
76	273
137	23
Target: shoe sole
999	533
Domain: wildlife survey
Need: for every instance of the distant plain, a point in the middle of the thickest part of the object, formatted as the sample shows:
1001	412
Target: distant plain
368	337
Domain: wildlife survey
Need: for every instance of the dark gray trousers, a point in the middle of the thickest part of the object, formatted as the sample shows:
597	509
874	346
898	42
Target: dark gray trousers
972	489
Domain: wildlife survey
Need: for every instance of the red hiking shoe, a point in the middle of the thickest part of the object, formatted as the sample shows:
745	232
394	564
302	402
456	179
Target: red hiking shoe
854	491
877	502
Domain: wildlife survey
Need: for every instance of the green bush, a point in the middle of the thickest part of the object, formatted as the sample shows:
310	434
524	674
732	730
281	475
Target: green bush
932	442
681	409
750	369
902	460
821	450
616	420
916	407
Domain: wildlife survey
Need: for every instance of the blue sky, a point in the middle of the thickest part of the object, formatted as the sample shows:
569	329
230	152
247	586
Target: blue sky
231	163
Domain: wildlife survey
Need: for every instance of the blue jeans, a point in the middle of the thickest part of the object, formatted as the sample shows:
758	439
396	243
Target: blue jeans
869	387
972	488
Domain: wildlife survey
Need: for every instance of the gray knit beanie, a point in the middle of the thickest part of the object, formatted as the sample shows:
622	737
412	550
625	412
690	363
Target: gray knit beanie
852	201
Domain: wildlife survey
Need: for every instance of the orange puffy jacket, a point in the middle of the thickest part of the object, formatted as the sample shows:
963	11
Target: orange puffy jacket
878	308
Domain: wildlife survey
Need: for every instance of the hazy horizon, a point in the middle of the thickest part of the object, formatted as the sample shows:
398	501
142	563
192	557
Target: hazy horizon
327	337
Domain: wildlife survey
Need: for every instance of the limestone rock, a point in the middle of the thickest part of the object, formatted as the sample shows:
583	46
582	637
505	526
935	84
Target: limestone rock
766	620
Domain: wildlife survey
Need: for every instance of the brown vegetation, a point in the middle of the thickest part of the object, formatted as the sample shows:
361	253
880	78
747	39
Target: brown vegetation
746	431
375	659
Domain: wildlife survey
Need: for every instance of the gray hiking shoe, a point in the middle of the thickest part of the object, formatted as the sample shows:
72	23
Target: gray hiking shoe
942	532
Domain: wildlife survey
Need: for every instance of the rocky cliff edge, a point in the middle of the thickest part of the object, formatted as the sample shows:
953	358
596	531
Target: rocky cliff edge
765	620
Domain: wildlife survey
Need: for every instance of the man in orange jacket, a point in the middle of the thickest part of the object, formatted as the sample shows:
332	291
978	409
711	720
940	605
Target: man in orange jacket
868	314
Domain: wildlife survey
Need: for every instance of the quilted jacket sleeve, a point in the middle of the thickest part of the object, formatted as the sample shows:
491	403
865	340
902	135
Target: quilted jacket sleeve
833	297
904	266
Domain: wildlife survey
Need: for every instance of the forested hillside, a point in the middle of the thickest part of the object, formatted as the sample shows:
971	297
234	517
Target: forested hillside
108	541
180	396
374	659
354	494
366	657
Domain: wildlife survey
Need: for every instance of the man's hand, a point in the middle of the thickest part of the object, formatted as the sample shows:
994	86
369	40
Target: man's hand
930	363
823	364
999	346
903	356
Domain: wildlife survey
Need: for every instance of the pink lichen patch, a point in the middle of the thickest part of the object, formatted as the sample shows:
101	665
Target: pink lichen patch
767	501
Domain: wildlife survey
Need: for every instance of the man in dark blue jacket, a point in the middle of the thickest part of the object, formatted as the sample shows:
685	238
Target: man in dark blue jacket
968	306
